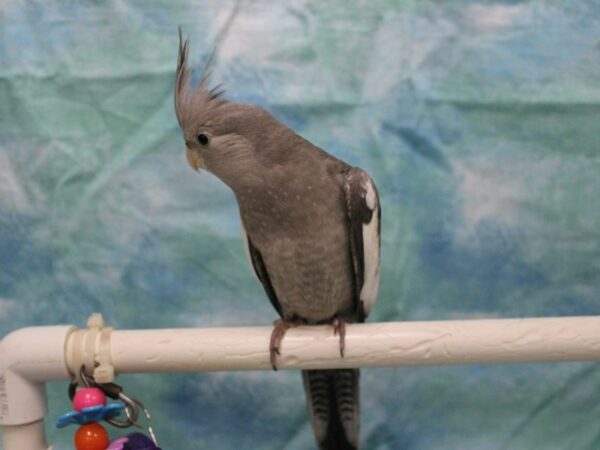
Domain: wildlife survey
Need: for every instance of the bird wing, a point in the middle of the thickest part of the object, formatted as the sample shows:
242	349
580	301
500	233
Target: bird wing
333	395
257	263
364	221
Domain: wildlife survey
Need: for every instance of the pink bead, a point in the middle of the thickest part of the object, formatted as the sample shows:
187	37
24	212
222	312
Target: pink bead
87	397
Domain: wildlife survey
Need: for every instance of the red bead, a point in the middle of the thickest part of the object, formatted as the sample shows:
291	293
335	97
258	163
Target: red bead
87	397
91	436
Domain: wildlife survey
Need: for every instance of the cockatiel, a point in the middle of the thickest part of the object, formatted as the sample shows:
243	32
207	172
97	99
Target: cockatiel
311	226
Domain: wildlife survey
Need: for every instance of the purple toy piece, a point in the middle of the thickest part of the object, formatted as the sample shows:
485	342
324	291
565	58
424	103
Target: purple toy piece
138	441
117	444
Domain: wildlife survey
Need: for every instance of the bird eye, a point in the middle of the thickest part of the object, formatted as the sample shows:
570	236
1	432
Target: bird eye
203	139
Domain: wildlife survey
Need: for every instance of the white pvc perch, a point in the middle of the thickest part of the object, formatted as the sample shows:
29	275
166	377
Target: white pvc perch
31	356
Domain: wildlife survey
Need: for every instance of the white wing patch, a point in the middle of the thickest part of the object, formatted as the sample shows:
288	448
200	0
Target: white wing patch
368	293
370	196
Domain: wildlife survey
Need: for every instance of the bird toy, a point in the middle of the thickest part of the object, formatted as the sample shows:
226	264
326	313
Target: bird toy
90	406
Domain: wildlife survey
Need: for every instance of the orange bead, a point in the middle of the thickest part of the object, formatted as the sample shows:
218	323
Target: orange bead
91	436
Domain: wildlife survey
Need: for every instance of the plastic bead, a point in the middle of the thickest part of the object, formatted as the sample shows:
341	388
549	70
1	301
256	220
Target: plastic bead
88	397
92	436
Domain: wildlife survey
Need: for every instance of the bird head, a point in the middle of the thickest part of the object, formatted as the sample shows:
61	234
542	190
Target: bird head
233	141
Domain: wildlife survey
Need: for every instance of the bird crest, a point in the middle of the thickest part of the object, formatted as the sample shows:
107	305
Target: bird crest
194	102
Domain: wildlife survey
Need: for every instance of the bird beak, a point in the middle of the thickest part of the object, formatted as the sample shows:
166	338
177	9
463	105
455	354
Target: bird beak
193	158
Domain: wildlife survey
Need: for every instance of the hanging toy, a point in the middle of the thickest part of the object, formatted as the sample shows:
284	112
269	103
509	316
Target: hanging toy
90	407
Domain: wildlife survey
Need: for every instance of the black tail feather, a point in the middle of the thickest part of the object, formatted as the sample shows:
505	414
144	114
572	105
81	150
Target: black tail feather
333	403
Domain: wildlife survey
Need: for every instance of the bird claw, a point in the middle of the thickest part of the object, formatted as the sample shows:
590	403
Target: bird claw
280	326
339	327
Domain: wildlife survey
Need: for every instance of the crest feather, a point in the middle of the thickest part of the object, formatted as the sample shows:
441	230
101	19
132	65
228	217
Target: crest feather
190	103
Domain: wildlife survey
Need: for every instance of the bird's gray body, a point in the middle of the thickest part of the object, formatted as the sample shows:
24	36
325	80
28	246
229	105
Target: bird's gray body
311	226
296	219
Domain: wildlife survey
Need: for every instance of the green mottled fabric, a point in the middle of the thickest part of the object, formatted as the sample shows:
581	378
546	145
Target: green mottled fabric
478	120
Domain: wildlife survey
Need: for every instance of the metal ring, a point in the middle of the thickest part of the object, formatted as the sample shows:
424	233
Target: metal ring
132	412
85	380
149	420
88	380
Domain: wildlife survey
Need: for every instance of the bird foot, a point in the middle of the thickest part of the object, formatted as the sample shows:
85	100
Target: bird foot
339	327
280	326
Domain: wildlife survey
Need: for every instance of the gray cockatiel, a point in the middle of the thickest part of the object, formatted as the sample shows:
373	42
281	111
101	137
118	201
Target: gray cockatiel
311	227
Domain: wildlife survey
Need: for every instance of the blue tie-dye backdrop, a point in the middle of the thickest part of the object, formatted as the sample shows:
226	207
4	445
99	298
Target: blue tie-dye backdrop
479	122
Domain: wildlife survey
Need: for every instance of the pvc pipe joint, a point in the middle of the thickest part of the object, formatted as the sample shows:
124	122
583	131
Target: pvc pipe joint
28	358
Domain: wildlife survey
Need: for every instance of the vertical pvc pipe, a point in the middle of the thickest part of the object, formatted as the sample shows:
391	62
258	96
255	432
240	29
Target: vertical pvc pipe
28	358
25	437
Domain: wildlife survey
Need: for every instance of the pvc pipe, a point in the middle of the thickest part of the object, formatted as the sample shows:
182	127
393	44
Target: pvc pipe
31	356
28	358
367	345
29	436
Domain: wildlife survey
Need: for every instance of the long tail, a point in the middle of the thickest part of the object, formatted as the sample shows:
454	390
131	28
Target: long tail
333	403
